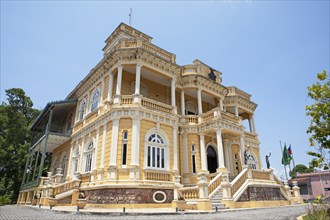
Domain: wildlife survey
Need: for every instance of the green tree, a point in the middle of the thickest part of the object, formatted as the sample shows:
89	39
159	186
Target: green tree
15	118
300	168
319	127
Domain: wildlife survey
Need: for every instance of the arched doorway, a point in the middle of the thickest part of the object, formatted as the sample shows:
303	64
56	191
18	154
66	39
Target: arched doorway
212	162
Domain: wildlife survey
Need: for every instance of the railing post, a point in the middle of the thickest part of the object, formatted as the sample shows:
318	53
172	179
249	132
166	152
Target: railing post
225	185
58	175
203	203
226	191
287	188
296	193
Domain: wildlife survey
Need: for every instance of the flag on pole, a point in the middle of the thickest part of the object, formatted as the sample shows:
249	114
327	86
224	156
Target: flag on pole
290	153
285	156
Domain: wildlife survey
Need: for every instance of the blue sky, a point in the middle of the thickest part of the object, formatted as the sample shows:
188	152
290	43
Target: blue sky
270	49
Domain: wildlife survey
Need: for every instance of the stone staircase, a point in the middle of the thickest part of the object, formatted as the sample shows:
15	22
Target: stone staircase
216	200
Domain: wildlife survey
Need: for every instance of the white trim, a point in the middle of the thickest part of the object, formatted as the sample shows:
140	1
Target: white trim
135	142
110	86
164	146
114	142
175	148
159	201
103	144
96	146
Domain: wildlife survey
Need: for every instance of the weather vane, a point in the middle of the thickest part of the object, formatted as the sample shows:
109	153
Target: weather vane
130	17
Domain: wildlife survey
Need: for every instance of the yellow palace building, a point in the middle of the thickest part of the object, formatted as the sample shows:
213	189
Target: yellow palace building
141	131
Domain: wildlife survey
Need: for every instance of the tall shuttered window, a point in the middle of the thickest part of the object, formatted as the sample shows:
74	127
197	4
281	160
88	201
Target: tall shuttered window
124	148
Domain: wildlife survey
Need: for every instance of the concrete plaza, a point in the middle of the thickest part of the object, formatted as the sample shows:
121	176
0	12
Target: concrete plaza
13	212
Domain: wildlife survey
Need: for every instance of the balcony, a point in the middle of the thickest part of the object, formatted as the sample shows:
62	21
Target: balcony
153	49
150	104
53	126
210	116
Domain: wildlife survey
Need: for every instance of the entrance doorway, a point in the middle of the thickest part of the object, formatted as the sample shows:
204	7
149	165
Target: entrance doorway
212	162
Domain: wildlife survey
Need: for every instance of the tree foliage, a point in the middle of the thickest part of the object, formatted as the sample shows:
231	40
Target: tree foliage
319	127
15	118
300	168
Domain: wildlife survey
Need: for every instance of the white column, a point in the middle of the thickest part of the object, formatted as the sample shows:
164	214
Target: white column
221	157
221	103
253	124
203	152
173	82
110	86
199	100
119	78
236	110
114	142
137	79
175	149
182	103
102	93
135	142
185	154
96	148
242	147
228	157
69	173
81	151
103	145
250	125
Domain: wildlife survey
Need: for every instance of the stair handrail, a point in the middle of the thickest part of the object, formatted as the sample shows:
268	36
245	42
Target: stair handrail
239	181
66	186
191	192
215	185
282	188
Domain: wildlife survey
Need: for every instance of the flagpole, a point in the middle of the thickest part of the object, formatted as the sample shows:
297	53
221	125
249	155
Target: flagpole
289	164
294	165
286	175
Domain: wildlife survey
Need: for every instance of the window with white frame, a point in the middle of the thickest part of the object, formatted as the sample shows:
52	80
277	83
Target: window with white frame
124	147
75	158
95	99
89	156
82	109
156	152
193	158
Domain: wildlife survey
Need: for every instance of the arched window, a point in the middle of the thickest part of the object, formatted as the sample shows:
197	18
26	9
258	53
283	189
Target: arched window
124	147
89	156
95	99
63	166
156	152
82	109
75	159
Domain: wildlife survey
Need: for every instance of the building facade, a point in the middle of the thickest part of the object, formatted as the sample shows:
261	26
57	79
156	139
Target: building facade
314	184
142	131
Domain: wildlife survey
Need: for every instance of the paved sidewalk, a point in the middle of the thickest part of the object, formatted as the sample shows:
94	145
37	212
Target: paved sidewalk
13	212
